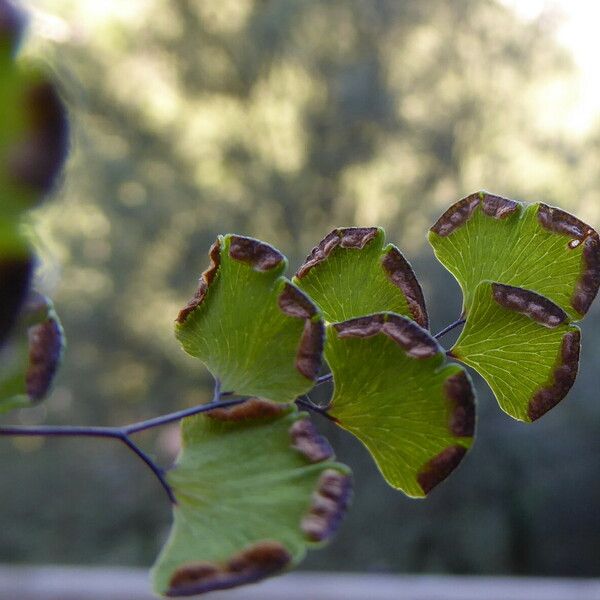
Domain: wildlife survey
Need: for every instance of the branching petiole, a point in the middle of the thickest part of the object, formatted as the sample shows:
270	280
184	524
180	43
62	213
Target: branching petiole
123	433
308	404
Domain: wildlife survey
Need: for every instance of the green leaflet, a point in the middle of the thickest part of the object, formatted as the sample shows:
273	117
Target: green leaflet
253	329
536	247
33	137
32	356
351	274
14	197
255	487
523	346
393	391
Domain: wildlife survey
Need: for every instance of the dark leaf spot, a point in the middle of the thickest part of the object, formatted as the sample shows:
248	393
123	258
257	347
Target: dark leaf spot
401	274
416	341
307	440
295	303
310	350
439	467
251	409
562	379
329	505
37	160
256	562
559	221
459	391
589	281
356	237
260	256
347	237
361	326
496	206
319	253
528	303
458	214
203	284
46	345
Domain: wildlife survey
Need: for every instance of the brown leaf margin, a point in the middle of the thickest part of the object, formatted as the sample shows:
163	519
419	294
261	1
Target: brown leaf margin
559	221
416	341
543	311
395	266
291	300
46	346
562	378
266	558
295	303
549	218
460	212
457	388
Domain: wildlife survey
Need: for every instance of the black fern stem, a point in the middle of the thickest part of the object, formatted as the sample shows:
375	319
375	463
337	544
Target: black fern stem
449	328
122	433
308	404
158	471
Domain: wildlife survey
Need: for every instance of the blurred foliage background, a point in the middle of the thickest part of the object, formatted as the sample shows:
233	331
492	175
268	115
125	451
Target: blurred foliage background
281	119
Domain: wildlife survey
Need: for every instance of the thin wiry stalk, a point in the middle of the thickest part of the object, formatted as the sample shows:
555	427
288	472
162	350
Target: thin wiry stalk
449	328
122	433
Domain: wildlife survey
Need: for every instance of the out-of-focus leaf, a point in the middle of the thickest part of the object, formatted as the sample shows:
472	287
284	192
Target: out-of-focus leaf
33	137
254	330
536	247
351	274
523	346
30	359
33	145
16	266
33	124
393	391
255	486
12	24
